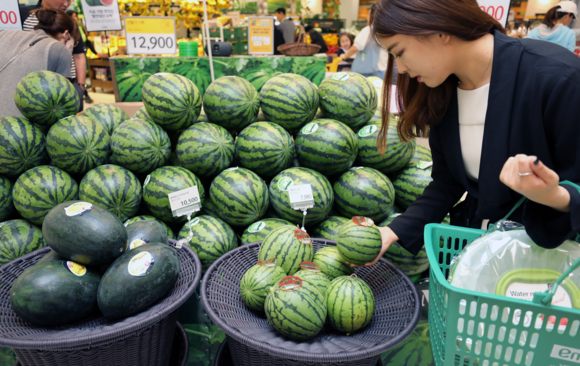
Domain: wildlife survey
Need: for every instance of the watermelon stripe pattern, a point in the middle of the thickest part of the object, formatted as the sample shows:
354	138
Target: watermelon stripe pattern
359	244
320	280
40	189
283	245
350	303
328	229
44	97
331	263
422	154
410	183
17	238
256	282
22	146
108	115
260	229
143	115
114	188
170	233
6	204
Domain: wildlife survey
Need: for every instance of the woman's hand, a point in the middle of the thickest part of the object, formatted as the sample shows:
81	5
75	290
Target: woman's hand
531	178
389	237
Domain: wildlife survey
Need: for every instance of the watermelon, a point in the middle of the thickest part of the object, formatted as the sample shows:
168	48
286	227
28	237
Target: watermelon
108	115
327	146
22	146
397	155
211	238
328	229
350	303
140	146
205	149
364	192
359	241
260	229
410	183
6	205
50	256
348	97
231	102
207	208
378	84
114	188
256	282
165	180
414	350
310	272
17	238
331	263
143	115
145	232
78	144
289	100
173	101
292	310
240	197
202	116
265	148
289	245
44	97
259	77
422	154
170	233
321	191
40	189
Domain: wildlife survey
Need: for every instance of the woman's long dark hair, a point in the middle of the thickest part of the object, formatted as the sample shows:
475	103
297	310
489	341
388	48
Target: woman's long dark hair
420	106
552	16
54	22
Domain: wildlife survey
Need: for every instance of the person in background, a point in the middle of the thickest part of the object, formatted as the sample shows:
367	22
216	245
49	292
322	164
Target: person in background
286	25
42	49
83	31
316	38
79	64
345	41
554	28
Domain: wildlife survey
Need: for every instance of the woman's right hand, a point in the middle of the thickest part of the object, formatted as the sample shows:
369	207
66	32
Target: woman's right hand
389	237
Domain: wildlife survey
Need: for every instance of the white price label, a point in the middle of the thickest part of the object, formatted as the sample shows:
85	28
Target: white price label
10	15
498	9
185	201
151	35
301	196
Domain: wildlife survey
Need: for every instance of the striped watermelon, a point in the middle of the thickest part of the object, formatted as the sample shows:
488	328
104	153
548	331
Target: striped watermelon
6	204
310	272
328	229
143	115
350	303
260	229
359	241
205	149
422	154
289	100
290	245
165	180
211	238
22	146
39	189
231	102
312	289
265	148
348	97
78	144
202	116
261	76
44	97
114	188
240	197
292	310
410	183
331	263
398	153
17	238
207	207
170	233
173	101
321	190
256	282
364	192
108	115
326	146
140	146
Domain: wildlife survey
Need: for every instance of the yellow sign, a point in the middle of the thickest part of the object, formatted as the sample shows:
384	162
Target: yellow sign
261	35
151	25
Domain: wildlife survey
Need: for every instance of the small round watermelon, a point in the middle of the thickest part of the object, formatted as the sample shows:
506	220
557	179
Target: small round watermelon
173	101
328	229
78	144
170	233
364	192
6	205
39	189
310	272
359	241
44	97
331	263
350	303
206	149
145	232
289	245
165	180
348	97
260	229
327	146
231	102
140	146
143	115
265	148
23	146
410	183
256	282
289	100
17	238
108	115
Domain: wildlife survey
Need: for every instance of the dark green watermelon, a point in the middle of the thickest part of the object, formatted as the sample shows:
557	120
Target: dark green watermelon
145	232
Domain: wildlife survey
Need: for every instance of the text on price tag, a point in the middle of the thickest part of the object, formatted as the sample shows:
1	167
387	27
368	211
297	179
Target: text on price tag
185	201
301	196
150	35
9	15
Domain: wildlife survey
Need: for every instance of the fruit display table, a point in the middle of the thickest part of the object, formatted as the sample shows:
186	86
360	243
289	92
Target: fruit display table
129	73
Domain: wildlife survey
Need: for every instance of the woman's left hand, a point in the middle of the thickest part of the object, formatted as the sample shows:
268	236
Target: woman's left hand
531	178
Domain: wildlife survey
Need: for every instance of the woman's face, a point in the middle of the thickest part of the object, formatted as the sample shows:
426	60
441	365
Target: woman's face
567	19
345	43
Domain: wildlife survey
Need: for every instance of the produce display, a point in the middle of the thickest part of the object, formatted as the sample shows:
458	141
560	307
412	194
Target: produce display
170	233
310	272
289	245
410	183
260	229
6	204
23	146
350	303
145	232
256	282
108	115
359	241
17	238
328	229
331	262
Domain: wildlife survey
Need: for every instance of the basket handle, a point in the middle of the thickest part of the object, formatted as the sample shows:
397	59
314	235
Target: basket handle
545	298
301	33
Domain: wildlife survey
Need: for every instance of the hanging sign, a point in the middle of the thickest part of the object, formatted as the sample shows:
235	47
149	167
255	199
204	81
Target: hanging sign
261	35
101	15
150	35
10	15
184	202
301	196
498	9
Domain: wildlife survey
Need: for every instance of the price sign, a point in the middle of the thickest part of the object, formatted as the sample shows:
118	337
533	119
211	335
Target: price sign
101	15
185	201
301	196
10	15
261	35
498	9
151	35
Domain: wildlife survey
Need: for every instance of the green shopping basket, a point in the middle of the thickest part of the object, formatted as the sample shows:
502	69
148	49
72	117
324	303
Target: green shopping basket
471	328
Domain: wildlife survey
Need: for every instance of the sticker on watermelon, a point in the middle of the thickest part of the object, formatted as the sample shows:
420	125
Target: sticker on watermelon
310	267
136	243
256	226
341	76
75	268
141	264
424	164
147	179
367	130
284	183
310	128
78	209
303	237
193	222
272	262
363	221
290	283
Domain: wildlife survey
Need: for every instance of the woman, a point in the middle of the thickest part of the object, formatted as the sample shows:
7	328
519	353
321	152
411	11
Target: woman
554	28
459	73
45	48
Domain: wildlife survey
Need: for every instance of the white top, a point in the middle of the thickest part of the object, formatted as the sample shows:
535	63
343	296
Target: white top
472	110
361	41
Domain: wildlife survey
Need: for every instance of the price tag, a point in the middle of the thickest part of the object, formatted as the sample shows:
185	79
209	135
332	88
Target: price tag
101	15
185	201
498	9
10	15
301	196
151	35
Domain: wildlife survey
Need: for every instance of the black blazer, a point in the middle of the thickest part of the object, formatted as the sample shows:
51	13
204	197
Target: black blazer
533	109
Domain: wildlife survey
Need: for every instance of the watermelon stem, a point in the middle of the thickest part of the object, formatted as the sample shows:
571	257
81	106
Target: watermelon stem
353	275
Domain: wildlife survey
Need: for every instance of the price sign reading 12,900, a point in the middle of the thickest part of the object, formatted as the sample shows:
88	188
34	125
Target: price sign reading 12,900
150	35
